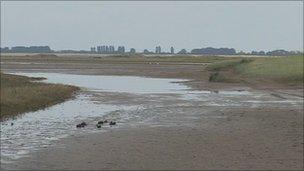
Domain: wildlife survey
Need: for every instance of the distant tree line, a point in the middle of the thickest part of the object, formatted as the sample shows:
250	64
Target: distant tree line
231	51
279	52
24	49
121	50
214	51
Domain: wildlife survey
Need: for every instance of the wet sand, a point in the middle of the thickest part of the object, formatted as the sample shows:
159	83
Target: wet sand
243	139
224	138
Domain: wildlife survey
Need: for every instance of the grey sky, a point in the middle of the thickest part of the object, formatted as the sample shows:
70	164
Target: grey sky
80	25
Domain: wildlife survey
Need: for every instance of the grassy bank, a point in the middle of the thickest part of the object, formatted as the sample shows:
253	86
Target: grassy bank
284	70
20	94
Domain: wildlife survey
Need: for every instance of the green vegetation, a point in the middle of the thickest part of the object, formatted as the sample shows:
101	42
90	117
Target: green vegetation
227	64
216	77
280	69
227	70
283	69
21	94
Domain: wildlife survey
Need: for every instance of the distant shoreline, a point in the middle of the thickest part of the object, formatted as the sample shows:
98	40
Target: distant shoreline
145	55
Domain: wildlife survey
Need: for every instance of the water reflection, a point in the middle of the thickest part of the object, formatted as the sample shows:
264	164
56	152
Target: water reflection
128	84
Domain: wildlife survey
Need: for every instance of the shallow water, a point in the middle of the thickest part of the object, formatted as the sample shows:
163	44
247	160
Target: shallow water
34	130
153	100
38	129
127	84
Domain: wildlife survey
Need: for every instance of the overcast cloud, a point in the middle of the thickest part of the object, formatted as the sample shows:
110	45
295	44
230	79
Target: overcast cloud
80	25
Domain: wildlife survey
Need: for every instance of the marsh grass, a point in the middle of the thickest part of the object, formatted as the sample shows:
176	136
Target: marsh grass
21	94
279	69
228	64
227	70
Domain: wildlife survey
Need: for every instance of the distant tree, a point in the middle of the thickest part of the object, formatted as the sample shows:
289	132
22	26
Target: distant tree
172	50
132	50
93	49
147	51
183	51
241	53
158	49
279	52
261	53
121	49
5	50
254	53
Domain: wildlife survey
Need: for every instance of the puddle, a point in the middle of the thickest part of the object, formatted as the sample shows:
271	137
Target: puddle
126	99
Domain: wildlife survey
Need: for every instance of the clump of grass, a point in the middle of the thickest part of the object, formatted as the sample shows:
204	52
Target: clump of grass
226	70
20	94
216	77
220	77
228	64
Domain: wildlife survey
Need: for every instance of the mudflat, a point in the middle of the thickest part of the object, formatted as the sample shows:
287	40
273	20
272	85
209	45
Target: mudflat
267	137
242	139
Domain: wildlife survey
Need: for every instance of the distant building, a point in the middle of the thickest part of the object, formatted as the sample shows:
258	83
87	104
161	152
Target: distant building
172	50
132	50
